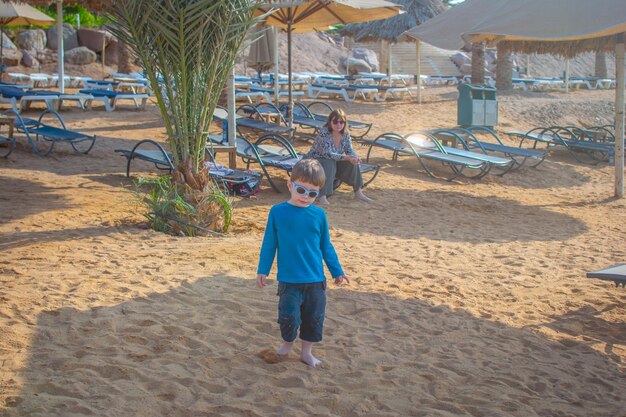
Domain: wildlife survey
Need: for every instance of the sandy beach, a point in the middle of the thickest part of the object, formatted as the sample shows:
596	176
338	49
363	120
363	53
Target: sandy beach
468	298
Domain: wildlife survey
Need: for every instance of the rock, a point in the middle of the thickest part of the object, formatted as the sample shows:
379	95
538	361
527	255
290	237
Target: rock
31	39
94	39
460	59
47	56
466	69
354	65
11	57
80	56
110	53
70	40
6	42
368	56
30	60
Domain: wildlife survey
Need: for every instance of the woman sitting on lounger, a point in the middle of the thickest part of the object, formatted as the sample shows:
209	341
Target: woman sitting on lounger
333	149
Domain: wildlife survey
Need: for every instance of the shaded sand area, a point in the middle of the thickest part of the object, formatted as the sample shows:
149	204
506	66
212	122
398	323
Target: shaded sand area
467	298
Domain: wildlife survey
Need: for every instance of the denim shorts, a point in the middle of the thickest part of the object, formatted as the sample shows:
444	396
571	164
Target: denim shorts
301	306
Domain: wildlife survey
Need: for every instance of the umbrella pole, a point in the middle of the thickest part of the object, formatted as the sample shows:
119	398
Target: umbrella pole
418	71
619	116
290	108
276	72
60	46
1	52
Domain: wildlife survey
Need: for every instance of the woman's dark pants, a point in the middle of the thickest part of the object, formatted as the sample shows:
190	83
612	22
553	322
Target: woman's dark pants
342	170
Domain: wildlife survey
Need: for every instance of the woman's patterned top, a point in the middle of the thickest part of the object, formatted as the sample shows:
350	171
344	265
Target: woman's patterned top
323	147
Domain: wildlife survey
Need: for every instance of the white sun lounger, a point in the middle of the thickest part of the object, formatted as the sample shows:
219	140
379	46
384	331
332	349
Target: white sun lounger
366	92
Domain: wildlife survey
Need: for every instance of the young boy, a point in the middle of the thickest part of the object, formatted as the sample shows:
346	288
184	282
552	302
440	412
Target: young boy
298	232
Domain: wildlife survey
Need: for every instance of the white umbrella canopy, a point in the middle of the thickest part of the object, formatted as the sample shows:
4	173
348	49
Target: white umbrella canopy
308	15
12	14
22	14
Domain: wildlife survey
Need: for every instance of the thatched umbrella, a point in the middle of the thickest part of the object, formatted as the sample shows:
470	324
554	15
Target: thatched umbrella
391	30
564	28
558	27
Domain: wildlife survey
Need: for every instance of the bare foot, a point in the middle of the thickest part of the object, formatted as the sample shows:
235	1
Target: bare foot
310	360
323	200
284	348
362	196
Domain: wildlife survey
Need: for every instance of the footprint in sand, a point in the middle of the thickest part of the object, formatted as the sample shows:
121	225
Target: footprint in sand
270	356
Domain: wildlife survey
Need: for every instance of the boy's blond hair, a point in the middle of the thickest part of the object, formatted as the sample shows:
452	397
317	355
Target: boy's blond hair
309	171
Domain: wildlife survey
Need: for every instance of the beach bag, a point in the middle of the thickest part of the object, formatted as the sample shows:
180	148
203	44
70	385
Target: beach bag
247	188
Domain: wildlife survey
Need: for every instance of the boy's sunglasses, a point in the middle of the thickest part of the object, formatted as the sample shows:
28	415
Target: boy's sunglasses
338	122
301	190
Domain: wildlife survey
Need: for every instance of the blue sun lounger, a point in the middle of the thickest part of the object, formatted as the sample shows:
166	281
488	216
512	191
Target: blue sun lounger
163	160
110	98
615	273
424	146
594	151
42	136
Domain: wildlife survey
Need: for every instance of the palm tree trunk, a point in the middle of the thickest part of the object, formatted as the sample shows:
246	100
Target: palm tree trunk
601	70
123	58
478	63
504	69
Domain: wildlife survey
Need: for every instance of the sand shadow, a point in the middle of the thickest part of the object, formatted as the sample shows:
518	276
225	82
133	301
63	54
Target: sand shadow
586	325
194	350
461	217
18	239
22	198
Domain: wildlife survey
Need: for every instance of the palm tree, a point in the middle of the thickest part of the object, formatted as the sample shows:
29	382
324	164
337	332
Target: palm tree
187	48
601	70
478	63
123	58
504	68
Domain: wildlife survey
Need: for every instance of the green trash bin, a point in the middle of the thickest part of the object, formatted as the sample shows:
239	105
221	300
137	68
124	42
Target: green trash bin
491	106
471	105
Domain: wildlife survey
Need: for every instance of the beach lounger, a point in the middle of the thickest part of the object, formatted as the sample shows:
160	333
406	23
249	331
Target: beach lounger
470	136
43	136
248	117
20	99
275	151
100	84
615	273
395	92
111	98
320	111
424	147
162	160
269	92
584	151
269	150
7	144
366	92
250	95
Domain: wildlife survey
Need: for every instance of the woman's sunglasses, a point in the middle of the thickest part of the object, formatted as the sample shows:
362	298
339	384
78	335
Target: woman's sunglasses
301	190
338	122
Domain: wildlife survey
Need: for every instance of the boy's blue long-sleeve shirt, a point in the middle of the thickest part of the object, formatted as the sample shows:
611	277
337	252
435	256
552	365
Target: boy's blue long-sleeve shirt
300	237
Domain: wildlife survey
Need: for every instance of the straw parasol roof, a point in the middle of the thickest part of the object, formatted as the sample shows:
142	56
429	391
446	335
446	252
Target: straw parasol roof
416	13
